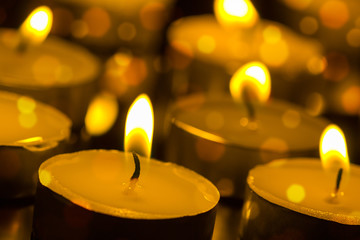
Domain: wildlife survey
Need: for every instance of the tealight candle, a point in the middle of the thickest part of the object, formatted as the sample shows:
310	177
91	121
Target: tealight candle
107	25
30	133
55	72
107	194
204	53
85	195
222	138
305	198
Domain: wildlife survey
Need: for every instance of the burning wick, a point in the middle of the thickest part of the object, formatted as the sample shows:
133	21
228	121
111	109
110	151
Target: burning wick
334	195
135	177
248	104
338	180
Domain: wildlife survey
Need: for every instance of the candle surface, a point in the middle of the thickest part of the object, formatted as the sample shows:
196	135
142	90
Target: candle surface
98	180
202	37
54	63
303	186
281	126
27	122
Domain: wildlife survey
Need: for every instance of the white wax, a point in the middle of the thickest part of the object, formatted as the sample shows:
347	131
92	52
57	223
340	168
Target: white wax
98	180
54	63
29	120
275	183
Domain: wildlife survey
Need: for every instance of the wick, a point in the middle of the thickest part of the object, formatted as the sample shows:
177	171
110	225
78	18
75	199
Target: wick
136	173
338	180
135	177
248	104
333	199
21	47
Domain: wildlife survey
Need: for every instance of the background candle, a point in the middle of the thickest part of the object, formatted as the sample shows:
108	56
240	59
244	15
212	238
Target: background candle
30	133
85	195
55	72
105	26
200	43
209	135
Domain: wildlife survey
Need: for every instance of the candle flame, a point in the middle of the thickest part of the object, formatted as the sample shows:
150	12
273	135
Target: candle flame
139	126
333	150
254	77
101	114
241	13
37	25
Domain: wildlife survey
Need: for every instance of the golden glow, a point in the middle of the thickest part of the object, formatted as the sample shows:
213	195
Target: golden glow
206	44
291	118
316	64
153	16
295	193
101	114
98	21
37	25
139	126
45	177
44	69
309	25
237	13
37	139
353	37
334	14
126	31
272	34
26	104
27	120
274	53
253	76
333	150
350	100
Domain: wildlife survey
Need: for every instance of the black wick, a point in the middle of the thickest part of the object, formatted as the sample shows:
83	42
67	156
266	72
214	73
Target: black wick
136	173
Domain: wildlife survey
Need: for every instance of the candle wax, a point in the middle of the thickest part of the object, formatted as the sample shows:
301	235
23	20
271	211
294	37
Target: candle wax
25	118
220	121
54	63
98	180
301	185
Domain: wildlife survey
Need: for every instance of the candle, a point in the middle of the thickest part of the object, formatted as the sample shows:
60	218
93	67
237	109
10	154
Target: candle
205	51
107	194
107	25
217	137
303	197
55	72
30	133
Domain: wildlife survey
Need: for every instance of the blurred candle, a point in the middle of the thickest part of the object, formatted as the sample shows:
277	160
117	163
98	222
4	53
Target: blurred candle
107	25
222	138
56	72
117	195
303	197
224	43
30	133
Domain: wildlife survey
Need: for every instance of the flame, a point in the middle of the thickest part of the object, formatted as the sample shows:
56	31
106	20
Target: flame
139	126
240	13
37	25
253	76
333	150
101	114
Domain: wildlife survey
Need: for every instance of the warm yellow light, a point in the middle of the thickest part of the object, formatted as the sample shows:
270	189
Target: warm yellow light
37	25
254	77
295	193
101	114
237	13
333	150
139	126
